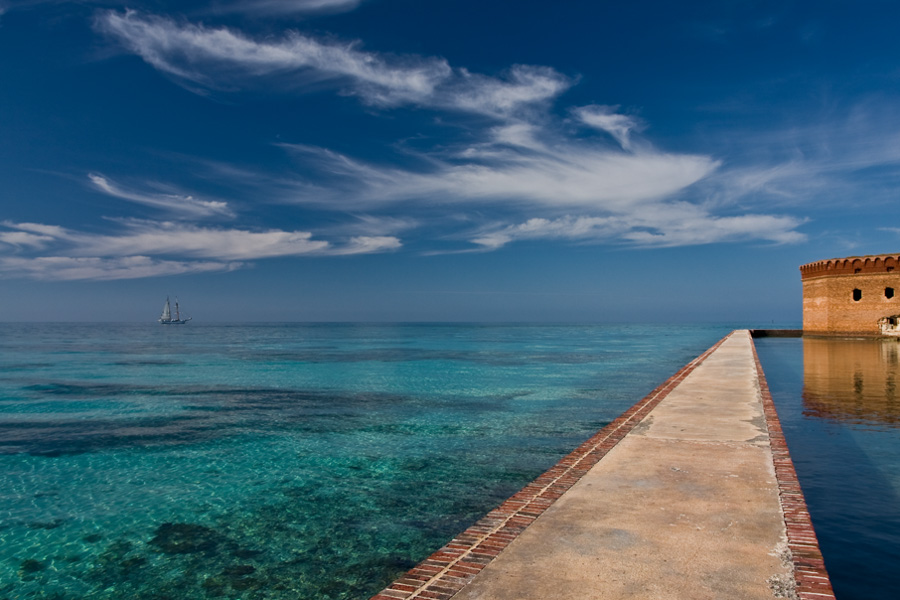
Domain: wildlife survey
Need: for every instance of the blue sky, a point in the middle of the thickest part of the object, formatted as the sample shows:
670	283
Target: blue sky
401	160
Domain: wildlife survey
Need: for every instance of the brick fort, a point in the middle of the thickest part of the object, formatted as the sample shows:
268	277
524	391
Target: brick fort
858	295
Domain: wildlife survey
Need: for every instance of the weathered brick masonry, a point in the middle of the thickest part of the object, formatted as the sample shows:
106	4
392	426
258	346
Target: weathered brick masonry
851	296
453	567
810	575
447	571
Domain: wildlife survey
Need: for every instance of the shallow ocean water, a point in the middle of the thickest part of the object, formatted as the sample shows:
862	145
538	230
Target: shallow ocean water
286	460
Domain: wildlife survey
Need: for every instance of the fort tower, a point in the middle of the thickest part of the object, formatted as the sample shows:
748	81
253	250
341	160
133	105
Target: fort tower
859	295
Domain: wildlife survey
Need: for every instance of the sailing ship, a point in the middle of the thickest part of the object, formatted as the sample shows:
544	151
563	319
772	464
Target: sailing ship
166	318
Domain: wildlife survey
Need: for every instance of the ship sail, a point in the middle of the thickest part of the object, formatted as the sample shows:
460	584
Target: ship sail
166	317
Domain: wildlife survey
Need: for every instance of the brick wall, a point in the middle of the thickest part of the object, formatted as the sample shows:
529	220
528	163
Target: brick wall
847	296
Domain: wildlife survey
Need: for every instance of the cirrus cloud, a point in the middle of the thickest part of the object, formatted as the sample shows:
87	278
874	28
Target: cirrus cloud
221	58
685	225
606	118
285	7
68	268
181	204
150	248
519	157
565	175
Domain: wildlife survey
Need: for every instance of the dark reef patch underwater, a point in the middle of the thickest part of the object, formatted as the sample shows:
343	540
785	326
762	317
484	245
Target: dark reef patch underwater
286	461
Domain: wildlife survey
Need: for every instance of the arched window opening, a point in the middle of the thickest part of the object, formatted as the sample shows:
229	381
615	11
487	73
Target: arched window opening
888	292
857	295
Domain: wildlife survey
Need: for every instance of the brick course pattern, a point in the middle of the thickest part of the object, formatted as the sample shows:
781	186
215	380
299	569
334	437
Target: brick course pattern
829	304
447	571
810	575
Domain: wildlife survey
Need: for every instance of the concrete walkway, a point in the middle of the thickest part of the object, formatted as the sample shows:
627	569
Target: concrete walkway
684	504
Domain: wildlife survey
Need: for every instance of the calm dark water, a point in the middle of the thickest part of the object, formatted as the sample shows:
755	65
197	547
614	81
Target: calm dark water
286	460
839	404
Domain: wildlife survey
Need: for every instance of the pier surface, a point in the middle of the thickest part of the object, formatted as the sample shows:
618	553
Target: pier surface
689	494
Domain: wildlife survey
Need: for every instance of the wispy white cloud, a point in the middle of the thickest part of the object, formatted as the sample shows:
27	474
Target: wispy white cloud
368	244
524	85
169	238
372	226
139	237
284	7
221	58
67	268
566	175
660	226
815	164
516	134
25	239
46	232
640	197
179	239
635	198
150	248
606	118
564	228
180	204
709	229
520	159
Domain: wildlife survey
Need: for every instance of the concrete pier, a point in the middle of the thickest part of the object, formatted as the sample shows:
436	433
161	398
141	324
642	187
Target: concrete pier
689	494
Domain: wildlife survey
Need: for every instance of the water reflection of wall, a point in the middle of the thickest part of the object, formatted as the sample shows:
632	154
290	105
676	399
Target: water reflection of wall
852	380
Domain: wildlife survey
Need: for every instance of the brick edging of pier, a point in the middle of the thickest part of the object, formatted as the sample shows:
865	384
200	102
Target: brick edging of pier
447	571
810	576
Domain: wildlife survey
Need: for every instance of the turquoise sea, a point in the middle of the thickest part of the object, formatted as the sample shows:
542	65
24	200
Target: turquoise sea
269	461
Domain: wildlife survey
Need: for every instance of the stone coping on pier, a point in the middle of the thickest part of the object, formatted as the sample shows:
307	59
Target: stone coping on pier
691	493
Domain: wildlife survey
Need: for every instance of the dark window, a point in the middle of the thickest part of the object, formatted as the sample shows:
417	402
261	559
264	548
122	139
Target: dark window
889	269
857	295
888	292
857	270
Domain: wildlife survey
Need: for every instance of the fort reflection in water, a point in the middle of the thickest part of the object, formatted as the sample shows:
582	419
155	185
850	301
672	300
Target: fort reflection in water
852	380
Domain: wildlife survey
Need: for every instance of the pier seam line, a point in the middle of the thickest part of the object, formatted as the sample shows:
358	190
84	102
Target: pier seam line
810	575
446	571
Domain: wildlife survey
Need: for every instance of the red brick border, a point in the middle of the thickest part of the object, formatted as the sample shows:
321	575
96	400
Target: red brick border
810	575
448	570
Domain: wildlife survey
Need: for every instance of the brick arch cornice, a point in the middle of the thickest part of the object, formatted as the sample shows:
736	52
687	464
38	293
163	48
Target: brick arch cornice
852	265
